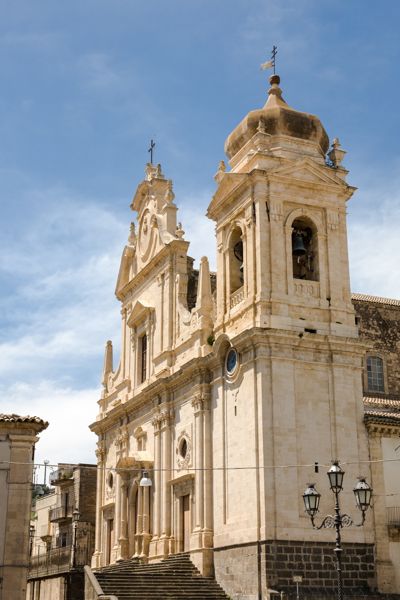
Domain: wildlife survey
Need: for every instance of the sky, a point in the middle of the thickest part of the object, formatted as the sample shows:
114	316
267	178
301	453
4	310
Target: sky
86	84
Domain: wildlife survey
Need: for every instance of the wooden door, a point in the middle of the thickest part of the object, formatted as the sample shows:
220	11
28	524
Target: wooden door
186	522
110	538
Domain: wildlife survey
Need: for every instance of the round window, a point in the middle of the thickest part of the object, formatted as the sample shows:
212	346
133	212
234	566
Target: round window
231	361
183	448
110	480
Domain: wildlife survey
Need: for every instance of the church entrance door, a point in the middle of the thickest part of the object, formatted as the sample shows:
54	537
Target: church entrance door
185	522
110	538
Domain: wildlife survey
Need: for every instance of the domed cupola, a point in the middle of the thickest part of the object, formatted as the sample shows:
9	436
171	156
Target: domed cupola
286	132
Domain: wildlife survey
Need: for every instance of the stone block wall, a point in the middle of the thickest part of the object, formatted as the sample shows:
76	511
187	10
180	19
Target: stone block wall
316	563
379	323
248	571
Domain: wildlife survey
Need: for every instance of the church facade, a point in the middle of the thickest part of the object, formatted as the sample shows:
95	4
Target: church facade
232	385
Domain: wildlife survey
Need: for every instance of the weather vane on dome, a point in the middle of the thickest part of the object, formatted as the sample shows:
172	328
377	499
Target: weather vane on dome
270	64
152	146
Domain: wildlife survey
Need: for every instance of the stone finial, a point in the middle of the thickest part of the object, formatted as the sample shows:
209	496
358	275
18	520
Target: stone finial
169	194
108	361
275	93
336	154
221	170
179	231
132	234
204	298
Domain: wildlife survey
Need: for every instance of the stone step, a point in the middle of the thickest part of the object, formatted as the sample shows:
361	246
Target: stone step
175	578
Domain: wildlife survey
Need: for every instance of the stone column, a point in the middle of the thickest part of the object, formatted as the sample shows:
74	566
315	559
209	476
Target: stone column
123	533
100	454
117	517
139	523
167	417
157	480
207	450
18	436
123	343
197	404
146	521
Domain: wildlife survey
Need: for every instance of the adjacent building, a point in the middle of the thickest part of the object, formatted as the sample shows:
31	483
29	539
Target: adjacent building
231	386
18	436
62	534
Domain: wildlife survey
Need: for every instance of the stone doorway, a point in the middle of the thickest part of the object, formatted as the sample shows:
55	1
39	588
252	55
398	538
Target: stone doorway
110	539
185	522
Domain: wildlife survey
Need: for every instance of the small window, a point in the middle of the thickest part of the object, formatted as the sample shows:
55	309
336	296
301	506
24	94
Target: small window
375	376
143	358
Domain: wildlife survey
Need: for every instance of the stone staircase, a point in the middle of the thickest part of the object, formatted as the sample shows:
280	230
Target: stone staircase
173	578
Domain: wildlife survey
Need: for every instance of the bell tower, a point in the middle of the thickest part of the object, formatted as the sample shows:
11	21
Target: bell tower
287	345
280	216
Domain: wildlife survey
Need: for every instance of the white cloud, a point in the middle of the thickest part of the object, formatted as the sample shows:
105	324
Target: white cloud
69	412
98	71
199	229
373	237
61	306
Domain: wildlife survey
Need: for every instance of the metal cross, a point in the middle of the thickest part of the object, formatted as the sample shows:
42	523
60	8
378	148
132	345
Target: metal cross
152	145
273	55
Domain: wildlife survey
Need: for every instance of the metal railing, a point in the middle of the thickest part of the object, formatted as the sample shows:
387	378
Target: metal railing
58	560
60	512
393	516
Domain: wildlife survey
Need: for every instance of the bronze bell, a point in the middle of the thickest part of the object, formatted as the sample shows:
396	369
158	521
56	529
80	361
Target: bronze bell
298	245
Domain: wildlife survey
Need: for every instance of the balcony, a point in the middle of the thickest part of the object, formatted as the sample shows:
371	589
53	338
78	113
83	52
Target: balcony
59	560
60	513
393	517
62	475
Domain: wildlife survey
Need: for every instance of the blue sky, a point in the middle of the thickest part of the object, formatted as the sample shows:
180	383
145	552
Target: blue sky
84	87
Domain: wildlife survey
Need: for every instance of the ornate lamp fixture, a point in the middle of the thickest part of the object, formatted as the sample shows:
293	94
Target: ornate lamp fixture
311	497
145	481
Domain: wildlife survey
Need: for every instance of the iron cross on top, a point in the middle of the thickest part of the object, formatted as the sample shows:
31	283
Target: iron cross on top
273	56
152	146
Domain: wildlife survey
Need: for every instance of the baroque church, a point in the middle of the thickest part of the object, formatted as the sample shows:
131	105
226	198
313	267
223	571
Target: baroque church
236	389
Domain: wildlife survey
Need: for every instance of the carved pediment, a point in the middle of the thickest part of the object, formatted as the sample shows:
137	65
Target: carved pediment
139	312
310	172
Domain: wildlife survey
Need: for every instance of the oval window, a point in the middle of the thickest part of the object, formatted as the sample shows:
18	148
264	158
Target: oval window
231	361
183	448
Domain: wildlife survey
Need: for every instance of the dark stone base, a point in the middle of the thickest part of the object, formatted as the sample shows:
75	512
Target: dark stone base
250	570
316	563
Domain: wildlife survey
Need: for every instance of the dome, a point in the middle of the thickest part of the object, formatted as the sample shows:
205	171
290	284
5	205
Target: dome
277	118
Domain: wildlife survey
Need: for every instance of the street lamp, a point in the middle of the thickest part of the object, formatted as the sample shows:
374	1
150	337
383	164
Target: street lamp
145	480
362	492
76	515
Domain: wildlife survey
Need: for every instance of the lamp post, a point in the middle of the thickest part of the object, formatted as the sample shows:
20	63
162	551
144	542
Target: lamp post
76	515
362	492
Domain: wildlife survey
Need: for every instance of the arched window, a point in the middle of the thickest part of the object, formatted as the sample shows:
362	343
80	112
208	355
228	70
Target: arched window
375	377
236	266
305	250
